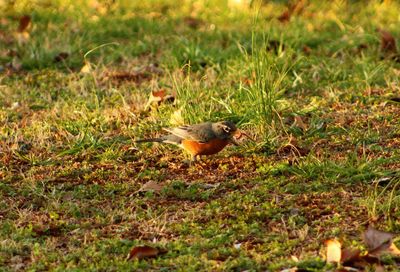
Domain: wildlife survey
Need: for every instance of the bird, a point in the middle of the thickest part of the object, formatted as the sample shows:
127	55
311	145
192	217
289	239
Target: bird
206	138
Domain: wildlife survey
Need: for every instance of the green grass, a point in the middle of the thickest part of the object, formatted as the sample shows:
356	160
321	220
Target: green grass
70	173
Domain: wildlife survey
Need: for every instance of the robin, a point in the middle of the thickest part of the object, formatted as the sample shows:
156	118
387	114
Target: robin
200	139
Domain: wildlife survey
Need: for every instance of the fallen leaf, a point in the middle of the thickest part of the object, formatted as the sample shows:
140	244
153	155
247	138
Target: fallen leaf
176	118
24	23
193	22
285	16
22	37
349	256
379	268
157	97
239	4
295	269
306	50
47	230
298	6
377	241
295	7
142	252
151	186
388	43
61	56
292	148
333	251
15	105
394	250
140	75
294	258
127	76
87	68
12	53
362	46
298	121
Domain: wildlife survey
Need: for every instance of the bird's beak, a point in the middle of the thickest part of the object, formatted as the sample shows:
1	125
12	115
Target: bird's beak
234	141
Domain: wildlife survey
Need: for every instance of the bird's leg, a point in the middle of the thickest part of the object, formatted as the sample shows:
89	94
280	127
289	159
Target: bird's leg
192	160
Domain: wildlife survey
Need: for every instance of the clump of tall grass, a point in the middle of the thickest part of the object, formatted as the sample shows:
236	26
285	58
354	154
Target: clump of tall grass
268	82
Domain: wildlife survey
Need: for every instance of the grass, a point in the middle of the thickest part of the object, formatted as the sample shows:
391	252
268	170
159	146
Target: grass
314	92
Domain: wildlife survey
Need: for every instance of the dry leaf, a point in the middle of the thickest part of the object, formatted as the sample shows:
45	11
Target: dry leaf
333	251
128	76
293	269
61	56
379	268
295	7
140	75
285	16
298	121
394	250
292	148
22	37
239	4
141	252
157	97
193	22
176	118
151	186
294	258
350	255
388	43
24	23
306	50
377	241
87	68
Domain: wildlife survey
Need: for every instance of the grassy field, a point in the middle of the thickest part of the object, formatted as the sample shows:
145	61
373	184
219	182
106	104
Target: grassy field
315	91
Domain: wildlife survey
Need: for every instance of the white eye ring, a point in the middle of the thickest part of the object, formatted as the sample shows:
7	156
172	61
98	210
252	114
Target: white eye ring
227	129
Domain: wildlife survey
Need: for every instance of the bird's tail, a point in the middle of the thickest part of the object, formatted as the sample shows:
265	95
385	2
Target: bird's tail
150	140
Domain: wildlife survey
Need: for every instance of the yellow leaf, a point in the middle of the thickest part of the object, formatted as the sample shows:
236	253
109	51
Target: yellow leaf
333	251
176	118
22	37
87	68
394	250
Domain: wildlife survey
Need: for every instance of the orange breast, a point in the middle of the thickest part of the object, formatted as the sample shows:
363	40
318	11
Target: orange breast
209	148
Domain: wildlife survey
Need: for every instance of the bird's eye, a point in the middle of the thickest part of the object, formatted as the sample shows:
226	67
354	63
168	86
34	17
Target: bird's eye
227	129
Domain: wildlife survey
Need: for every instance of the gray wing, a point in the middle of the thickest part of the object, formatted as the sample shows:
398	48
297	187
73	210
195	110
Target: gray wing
201	132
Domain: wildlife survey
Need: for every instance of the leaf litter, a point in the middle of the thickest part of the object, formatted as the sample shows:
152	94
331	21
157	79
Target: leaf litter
388	45
151	186
143	252
353	259
22	34
158	97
